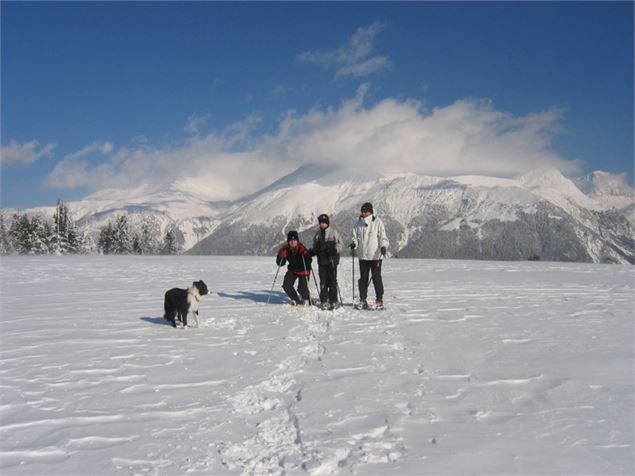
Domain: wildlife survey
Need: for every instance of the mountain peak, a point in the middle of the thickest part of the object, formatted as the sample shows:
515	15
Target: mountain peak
544	177
600	183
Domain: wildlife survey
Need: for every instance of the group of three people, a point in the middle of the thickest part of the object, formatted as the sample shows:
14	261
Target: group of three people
368	238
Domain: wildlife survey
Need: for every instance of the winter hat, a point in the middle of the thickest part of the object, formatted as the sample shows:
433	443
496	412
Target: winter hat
367	207
324	218
293	235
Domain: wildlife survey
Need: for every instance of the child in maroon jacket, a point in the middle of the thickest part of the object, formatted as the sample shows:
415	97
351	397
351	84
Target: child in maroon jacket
299	259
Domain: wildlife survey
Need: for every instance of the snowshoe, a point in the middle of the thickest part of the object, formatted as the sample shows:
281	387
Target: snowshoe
362	305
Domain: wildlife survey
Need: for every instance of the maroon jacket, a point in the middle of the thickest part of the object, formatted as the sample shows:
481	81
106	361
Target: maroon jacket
299	259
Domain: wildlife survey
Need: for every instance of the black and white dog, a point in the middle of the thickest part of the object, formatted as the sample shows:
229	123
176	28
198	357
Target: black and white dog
182	301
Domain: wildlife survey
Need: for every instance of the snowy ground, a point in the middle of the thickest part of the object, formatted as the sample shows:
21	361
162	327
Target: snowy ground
475	367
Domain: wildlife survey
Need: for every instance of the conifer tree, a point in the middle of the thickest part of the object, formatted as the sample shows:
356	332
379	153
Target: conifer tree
20	234
136	245
5	241
106	243
40	235
149	244
64	236
169	243
123	237
57	232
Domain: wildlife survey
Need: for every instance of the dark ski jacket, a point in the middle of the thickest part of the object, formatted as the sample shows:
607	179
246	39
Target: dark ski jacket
327	246
299	259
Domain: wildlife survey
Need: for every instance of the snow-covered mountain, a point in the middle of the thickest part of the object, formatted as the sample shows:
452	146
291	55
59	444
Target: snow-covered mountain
609	191
539	215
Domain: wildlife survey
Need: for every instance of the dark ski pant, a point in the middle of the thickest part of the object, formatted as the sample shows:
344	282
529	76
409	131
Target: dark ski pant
373	267
303	286
328	283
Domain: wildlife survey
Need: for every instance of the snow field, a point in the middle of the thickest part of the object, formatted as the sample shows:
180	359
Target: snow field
475	367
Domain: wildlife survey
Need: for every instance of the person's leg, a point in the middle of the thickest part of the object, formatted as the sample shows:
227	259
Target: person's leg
378	283
324	282
303	288
332	283
364	269
287	285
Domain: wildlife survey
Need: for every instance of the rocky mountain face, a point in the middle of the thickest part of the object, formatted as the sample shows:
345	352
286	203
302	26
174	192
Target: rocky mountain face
540	215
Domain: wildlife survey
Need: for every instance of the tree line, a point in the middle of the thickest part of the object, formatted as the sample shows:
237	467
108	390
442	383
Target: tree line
36	235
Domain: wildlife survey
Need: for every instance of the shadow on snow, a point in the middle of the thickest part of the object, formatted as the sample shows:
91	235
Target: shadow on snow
277	297
156	320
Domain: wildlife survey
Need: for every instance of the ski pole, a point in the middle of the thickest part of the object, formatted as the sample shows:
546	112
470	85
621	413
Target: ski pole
315	281
353	261
306	277
273	284
337	284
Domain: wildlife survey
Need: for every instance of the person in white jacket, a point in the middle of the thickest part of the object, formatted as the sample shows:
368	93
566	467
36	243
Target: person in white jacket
370	240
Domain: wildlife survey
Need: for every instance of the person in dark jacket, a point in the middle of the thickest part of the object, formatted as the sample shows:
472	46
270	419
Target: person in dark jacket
327	246
299	268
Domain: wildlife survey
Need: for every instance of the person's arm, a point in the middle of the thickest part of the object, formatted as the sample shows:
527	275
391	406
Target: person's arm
339	244
281	259
383	238
354	238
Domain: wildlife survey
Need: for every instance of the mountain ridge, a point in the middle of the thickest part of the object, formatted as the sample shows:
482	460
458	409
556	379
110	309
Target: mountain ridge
541	214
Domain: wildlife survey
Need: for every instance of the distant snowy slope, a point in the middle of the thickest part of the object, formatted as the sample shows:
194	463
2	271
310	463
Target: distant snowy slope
609	191
179	206
601	183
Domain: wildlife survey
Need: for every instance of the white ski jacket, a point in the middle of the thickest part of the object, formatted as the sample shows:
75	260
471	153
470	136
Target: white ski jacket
369	235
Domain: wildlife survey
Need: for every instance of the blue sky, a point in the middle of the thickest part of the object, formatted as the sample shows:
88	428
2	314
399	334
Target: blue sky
119	95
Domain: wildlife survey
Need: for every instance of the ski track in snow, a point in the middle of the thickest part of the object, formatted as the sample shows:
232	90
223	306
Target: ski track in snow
474	367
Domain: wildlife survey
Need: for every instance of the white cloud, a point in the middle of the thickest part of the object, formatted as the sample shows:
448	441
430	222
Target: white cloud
194	123
24	154
222	161
392	136
75	171
364	68
103	148
354	58
467	137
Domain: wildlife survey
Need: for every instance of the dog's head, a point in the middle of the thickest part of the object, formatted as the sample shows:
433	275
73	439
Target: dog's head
201	287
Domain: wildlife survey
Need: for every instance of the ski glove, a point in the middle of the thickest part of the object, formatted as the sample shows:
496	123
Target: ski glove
353	246
383	251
